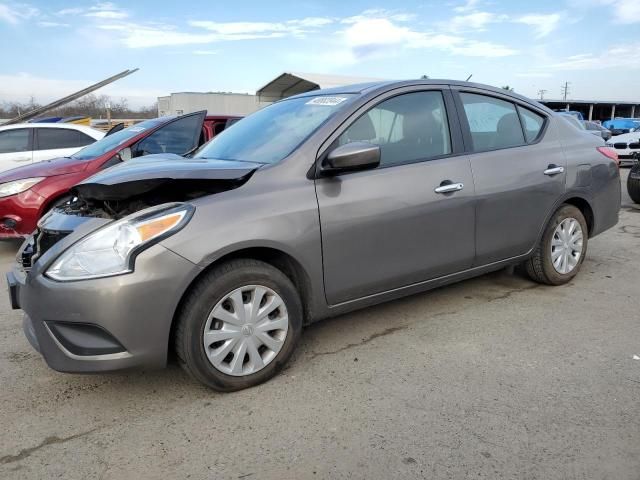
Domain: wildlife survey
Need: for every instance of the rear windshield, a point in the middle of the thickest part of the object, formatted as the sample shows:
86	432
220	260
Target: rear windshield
271	134
111	142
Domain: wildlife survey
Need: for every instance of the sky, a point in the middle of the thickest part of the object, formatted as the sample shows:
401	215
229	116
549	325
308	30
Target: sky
52	48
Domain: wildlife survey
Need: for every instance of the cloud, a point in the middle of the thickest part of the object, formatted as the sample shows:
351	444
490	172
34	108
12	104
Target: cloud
370	36
534	75
624	11
468	6
106	11
474	21
48	24
542	24
16	13
158	35
70	11
204	52
624	57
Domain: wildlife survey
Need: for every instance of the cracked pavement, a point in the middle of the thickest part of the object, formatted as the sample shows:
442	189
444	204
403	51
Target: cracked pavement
492	378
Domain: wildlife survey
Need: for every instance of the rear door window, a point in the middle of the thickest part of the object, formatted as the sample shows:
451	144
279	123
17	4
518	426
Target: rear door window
493	123
57	138
16	140
533	123
408	128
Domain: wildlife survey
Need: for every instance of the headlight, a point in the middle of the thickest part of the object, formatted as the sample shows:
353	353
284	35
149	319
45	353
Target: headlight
111	250
18	186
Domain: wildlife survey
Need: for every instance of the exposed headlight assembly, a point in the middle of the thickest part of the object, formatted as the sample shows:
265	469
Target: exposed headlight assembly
18	186
111	250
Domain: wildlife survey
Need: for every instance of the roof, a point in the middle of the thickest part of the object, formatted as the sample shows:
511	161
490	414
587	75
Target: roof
93	132
291	83
589	102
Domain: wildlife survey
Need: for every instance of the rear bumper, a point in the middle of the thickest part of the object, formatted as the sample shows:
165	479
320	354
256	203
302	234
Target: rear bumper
104	324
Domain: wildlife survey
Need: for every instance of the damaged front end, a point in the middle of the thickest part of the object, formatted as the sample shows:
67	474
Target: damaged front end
145	199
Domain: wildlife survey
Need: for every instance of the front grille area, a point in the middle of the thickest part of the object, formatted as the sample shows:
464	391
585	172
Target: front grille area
41	241
621	145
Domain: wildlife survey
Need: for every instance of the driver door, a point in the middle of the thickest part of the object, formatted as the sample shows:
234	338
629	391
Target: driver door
402	222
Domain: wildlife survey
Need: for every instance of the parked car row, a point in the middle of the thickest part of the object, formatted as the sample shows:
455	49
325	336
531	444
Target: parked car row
619	126
627	146
28	192
26	143
316	205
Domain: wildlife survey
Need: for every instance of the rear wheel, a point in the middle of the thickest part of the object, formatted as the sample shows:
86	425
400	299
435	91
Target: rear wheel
561	251
238	325
633	182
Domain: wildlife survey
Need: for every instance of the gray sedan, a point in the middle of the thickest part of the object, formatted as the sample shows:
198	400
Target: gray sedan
317	205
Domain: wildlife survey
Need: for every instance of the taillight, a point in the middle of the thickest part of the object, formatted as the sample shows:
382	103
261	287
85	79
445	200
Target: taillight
609	153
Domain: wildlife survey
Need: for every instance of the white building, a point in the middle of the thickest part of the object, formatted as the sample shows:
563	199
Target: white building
215	103
222	103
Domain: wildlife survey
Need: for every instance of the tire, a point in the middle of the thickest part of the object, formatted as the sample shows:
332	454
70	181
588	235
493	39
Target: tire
540	267
633	184
215	297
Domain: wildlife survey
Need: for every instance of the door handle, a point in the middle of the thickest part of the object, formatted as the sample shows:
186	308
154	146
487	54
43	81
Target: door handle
448	186
23	159
553	170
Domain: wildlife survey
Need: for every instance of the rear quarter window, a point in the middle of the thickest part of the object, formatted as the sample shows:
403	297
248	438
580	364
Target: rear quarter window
532	122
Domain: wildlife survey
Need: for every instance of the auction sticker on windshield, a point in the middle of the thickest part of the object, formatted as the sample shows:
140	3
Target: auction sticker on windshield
326	101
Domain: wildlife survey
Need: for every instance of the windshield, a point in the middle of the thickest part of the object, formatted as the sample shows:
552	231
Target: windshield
271	134
114	140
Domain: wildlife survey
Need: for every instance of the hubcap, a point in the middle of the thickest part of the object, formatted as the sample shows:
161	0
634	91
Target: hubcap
566	245
246	330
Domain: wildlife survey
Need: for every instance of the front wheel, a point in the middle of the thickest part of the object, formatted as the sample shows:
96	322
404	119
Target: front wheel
238	325
633	182
562	248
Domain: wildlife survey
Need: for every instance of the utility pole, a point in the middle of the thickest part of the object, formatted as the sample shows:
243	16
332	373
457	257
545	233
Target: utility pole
564	89
541	92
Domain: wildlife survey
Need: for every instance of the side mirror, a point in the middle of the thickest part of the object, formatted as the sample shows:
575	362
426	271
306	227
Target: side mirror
125	154
351	157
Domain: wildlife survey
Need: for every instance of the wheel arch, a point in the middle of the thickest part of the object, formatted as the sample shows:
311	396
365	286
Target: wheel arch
51	201
278	258
578	200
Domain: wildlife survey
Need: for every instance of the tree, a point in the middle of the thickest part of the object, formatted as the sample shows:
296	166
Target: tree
508	88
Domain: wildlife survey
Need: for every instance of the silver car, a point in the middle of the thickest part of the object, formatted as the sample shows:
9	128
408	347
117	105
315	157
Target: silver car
317	205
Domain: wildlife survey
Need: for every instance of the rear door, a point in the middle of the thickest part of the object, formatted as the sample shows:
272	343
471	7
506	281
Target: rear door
178	136
518	168
58	142
389	227
15	148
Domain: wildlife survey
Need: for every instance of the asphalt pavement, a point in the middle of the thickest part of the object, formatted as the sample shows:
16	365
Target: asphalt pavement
495	377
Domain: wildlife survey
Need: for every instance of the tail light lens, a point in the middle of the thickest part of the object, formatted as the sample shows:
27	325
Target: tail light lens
609	153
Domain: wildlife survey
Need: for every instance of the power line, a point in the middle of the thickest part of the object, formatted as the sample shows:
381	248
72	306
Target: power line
541	92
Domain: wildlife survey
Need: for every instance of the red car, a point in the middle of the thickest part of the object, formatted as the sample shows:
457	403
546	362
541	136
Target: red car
26	193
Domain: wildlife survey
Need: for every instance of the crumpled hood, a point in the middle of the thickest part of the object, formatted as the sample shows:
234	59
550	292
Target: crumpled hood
143	174
174	167
45	168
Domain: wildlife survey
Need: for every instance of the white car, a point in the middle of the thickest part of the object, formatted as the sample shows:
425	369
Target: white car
25	143
627	146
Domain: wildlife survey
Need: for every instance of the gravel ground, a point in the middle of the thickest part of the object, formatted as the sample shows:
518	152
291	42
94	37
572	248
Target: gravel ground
495	377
